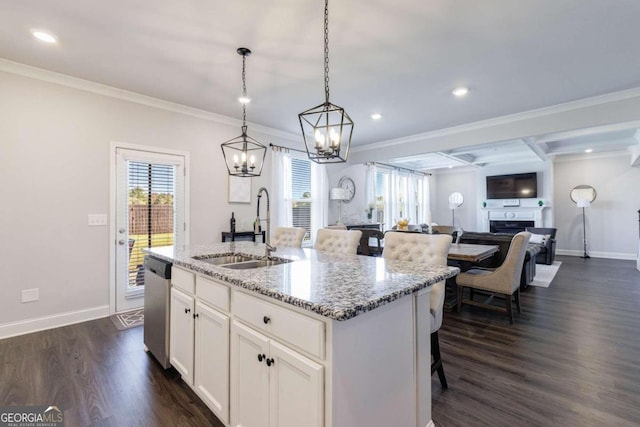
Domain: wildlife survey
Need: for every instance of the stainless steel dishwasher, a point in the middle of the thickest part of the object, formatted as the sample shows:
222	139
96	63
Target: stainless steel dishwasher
157	298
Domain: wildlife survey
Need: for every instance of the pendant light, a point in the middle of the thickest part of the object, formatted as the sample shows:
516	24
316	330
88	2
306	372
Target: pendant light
244	155
327	128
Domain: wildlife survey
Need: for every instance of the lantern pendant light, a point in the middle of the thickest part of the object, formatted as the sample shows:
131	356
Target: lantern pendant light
244	155
326	128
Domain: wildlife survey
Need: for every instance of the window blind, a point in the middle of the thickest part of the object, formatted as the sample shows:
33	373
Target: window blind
151	192
301	195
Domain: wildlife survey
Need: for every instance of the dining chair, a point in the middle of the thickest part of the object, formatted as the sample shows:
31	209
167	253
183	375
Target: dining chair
288	236
456	232
504	280
425	249
370	235
338	241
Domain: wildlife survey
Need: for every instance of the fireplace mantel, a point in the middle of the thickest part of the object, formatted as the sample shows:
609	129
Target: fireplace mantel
513	214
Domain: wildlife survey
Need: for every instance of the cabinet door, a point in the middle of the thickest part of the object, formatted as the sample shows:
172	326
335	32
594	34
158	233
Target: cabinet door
249	377
296	389
212	359
181	334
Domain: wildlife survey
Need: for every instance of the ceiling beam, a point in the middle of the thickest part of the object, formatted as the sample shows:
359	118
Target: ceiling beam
578	133
537	150
635	150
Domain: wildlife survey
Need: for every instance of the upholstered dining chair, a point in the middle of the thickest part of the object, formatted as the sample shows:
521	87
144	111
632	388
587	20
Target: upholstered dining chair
338	241
504	280
288	236
425	249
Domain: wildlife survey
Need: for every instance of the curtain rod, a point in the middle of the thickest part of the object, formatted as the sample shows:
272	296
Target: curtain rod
400	169
281	147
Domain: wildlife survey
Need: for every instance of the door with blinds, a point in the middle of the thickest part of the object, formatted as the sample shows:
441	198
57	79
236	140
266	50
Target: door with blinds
150	213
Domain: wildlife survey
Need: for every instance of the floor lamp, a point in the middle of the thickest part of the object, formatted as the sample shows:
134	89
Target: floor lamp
584	203
338	194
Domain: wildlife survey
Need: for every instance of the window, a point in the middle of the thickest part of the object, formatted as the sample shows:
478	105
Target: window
301	195
151	213
401	195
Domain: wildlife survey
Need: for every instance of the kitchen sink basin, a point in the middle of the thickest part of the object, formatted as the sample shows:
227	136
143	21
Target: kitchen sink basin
256	263
224	259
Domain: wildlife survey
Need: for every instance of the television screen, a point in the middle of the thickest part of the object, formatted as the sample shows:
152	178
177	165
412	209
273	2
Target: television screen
514	186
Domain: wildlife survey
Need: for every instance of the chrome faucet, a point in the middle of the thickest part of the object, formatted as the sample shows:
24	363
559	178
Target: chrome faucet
256	225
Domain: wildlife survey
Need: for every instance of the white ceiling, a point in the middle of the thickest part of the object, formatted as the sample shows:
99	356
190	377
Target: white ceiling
401	58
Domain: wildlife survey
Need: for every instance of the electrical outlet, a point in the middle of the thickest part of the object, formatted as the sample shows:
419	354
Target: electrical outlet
97	219
30	295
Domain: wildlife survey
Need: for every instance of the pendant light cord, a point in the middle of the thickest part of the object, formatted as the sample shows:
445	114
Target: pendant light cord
244	94
326	50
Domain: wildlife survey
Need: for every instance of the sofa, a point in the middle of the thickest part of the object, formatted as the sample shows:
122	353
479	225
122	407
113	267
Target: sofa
503	241
545	238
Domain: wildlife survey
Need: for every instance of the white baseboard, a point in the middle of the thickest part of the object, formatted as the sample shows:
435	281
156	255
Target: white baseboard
28	326
431	424
609	255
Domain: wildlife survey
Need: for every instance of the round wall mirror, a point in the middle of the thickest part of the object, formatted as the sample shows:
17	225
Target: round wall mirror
583	192
455	200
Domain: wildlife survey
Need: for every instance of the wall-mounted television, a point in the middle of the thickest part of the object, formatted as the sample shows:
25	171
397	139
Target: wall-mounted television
514	186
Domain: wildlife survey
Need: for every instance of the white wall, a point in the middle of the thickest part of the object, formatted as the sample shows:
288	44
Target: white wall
612	219
54	168
450	181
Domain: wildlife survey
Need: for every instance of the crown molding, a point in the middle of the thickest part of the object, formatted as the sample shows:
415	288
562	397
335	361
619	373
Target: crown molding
125	95
504	120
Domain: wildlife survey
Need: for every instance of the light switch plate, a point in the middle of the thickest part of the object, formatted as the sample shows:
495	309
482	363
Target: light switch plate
97	219
30	295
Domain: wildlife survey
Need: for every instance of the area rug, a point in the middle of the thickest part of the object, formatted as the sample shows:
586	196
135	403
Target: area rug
545	274
128	319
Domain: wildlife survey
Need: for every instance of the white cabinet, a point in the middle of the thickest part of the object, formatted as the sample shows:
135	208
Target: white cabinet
272	385
181	334
212	359
199	338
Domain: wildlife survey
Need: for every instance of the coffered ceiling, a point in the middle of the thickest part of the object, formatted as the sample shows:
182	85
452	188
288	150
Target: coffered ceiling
401	58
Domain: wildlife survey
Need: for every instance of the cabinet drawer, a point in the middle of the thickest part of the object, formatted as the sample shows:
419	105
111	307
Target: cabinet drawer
183	279
301	331
213	293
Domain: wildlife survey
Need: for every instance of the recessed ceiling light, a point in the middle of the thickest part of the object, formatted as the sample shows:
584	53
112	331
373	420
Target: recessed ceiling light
376	116
450	166
589	150
244	99
460	91
44	37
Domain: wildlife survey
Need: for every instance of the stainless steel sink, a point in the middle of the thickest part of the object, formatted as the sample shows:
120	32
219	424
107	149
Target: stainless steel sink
257	263
225	259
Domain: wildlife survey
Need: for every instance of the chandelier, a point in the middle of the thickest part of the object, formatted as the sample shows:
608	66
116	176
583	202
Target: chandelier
326	128
244	155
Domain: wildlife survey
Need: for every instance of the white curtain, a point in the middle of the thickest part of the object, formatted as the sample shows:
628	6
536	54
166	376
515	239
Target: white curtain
319	198
392	204
412	199
425	205
370	189
281	192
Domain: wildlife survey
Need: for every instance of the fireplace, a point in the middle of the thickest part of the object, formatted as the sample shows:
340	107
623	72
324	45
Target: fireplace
511	219
509	227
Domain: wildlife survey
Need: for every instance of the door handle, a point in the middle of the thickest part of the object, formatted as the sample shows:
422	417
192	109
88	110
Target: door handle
121	242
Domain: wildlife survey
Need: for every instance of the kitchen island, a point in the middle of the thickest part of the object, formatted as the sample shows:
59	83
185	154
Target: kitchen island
323	340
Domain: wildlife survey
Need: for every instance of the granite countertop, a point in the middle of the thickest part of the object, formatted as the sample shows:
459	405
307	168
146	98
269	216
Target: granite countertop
335	286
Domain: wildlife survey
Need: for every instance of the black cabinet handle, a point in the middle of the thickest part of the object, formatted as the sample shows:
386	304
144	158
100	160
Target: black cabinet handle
266	319
270	362
196	315
261	357
187	310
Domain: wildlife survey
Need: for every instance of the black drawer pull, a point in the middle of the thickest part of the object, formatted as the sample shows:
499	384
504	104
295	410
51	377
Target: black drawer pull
266	319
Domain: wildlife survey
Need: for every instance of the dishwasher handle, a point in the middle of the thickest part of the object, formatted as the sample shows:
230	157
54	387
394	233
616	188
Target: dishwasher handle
158	266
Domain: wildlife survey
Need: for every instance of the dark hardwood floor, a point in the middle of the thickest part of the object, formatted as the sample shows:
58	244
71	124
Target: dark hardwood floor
570	359
98	376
